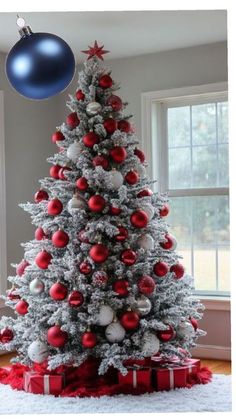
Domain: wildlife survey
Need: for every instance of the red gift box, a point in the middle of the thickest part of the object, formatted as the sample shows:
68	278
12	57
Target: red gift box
175	374
34	382
137	375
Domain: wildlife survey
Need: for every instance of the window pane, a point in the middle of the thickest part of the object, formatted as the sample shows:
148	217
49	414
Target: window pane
223	164
179	126
205	166
223	268
179	168
222	108
205	268
204	124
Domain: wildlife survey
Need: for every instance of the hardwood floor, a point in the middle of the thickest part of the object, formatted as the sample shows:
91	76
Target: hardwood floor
216	366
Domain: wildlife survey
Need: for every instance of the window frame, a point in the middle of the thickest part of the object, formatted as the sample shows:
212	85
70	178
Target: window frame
3	245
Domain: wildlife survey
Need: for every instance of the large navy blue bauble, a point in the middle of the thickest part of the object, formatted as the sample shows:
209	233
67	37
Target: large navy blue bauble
40	65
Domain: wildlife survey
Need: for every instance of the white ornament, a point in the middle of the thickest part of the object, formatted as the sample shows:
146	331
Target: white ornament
105	315
185	330
146	241
36	286
74	151
116	179
143	305
93	108
149	211
38	351
141	170
151	344
76	203
173	247
115	332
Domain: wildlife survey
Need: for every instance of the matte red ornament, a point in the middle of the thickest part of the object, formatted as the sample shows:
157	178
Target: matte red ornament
20	269
99	253
129	320
40	195
96	50
105	81
124	126
160	269
100	161
118	154
80	95
22	307
39	234
140	154
56	337
114	210
194	323
12	294
6	335
110	125
55	207
168	244
85	268
61	173
90	139
81	236
115	102
121	287
146	285
96	203
82	184
164	211
75	299
43	259
60	238
57	136
178	270
89	340
145	192
132	177
128	257
139	219
166	335
100	278
72	120
54	171
58	291
122	235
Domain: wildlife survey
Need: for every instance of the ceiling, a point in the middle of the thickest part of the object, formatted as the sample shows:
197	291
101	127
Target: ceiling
123	33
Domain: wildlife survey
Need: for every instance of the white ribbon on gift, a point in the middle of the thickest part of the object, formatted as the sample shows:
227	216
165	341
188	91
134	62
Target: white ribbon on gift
46	384
172	378
134	378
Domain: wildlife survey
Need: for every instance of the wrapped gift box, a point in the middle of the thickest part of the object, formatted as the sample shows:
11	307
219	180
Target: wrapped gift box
37	383
174	375
137	375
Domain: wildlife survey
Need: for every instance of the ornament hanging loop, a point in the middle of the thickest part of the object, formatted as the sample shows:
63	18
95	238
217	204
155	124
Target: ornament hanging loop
24	30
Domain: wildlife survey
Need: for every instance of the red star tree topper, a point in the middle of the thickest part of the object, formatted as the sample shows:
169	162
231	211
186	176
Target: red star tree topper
95	50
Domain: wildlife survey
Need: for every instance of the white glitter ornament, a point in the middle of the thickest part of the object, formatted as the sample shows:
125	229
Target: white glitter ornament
141	170
76	203
36	286
74	151
151	344
143	305
105	315
38	351
115	332
93	108
115	179
185	330
145	241
149	211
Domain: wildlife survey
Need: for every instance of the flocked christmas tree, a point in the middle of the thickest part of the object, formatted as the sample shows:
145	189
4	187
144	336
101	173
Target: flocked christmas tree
101	277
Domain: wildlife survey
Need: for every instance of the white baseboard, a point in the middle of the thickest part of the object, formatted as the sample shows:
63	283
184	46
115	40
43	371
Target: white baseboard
212	352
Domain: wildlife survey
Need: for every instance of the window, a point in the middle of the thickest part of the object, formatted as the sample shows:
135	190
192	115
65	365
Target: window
3	263
189	149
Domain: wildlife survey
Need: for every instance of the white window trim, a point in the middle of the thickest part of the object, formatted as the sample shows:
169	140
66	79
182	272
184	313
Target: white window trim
3	240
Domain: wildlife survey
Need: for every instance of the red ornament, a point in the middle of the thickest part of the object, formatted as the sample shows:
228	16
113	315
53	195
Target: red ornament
40	195
56	337
166	335
145	192
121	287
124	126
22	307
85	268
122	235
110	125
100	278
118	154
96	203
105	81
43	259
139	219
114	210
75	299
61	173
115	102
96	50
39	234
60	238
99	253
132	177
140	154
128	257
6	335
81	236
58	291
164	211
20	269
194	323
160	269
168	244
90	139
12	294
57	136
82	184
72	120
146	285
89	339
55	207
129	320
100	161
178	270
80	95
54	171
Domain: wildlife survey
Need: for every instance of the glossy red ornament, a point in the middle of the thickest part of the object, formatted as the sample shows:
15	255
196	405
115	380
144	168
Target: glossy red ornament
80	95
22	307
160	269
145	192
110	125
85	268
118	154
99	253
81	236
58	291
60	238
89	340
75	299
6	335
55	207
139	219
122	235
132	177
100	278
164	211
124	126
40	195
115	102
54	171
105	81
168	244
96	203
56	337
90	139
140	154
114	210
20	269
43	259
57	136
72	120
146	285
82	184
100	161
194	323
178	270
61	173
12	294
129	320
39	234
121	287
166	335
128	257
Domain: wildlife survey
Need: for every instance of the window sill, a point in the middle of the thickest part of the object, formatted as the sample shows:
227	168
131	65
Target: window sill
216	303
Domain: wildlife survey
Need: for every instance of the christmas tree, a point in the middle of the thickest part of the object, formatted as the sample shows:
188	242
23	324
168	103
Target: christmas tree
101	278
